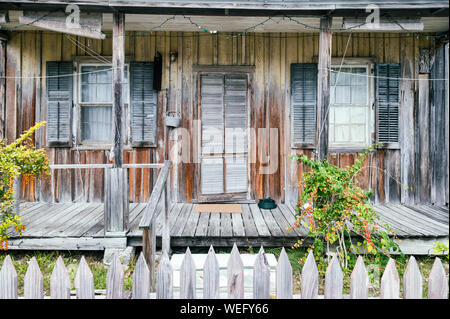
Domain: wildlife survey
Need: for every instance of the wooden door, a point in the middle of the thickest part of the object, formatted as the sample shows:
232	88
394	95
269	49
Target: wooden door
223	111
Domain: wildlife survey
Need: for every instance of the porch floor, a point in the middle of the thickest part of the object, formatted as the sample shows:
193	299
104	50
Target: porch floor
79	226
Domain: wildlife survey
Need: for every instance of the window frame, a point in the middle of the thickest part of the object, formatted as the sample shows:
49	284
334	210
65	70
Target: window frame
77	91
370	117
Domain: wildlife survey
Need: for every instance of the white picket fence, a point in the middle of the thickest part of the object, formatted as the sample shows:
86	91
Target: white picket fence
60	285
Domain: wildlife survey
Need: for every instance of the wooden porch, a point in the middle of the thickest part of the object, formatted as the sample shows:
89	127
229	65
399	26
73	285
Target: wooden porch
80	226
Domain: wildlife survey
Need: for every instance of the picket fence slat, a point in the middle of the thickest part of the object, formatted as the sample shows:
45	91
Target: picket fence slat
235	275
261	276
33	282
84	281
114	279
437	281
412	280
284	276
141	279
8	280
60	281
334	280
187	277
211	276
310	278
359	281
164	278
390	282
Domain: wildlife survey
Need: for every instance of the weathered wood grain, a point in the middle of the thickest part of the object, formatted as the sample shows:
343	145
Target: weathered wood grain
164	278
60	281
412	281
334	279
437	281
235	275
359	281
310	278
284	276
33	282
261	276
211	276
187	277
141	279
114	279
8	280
390	282
84	281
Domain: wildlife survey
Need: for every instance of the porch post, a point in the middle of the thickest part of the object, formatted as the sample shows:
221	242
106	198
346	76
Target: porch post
116	181
323	87
118	63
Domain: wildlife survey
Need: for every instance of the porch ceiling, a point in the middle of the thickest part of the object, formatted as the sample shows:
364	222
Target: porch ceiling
142	22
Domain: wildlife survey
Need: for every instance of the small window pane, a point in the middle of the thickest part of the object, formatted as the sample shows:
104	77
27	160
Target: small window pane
342	133
359	76
358	115
96	123
342	94
342	115
358	133
359	95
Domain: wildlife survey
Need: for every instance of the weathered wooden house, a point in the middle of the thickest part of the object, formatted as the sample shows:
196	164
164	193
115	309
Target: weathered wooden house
225	91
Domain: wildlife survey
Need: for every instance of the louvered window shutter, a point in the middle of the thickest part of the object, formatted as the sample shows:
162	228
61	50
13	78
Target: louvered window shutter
303	102
388	96
143	103
59	103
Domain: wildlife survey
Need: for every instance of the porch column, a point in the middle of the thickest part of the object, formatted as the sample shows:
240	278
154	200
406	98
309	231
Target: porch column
116	181
3	39
323	87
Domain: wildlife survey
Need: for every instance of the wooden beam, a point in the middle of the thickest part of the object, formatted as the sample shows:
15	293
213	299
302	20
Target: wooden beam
385	24
90	23
323	87
118	65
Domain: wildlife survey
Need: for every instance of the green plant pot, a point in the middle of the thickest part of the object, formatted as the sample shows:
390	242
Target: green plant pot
267	203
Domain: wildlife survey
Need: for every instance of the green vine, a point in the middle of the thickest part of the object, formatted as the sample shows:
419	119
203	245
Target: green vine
19	158
337	212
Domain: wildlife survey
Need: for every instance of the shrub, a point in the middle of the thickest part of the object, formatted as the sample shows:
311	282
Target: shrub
19	158
334	208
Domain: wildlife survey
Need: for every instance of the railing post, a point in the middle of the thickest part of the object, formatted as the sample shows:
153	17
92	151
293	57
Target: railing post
17	191
116	202
149	250
166	225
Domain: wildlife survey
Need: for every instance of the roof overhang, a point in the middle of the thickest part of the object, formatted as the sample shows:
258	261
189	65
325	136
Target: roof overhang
410	8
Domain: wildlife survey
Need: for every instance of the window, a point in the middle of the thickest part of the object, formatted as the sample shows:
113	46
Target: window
350	111
95	100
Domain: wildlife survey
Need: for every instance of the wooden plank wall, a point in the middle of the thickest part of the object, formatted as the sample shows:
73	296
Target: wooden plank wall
270	53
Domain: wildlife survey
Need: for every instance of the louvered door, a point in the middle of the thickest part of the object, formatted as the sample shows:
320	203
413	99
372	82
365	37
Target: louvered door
223	113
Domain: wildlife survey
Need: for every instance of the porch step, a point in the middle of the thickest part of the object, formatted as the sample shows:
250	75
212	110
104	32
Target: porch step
248	261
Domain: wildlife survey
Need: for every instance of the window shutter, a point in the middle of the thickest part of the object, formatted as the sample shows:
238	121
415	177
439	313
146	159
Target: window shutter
303	102
388	96
59	103
143	102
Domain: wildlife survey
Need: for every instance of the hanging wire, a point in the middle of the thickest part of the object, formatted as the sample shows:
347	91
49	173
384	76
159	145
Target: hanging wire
234	35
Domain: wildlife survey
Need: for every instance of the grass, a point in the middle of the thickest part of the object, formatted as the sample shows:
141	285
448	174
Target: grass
47	259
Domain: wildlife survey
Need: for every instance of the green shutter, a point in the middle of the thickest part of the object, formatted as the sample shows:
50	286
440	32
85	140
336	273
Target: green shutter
303	102
59	103
388	97
143	103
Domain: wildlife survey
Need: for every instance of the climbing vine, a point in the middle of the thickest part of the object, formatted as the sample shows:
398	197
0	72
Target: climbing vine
19	158
337	211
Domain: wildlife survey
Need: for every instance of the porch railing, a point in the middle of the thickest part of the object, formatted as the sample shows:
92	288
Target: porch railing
148	220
